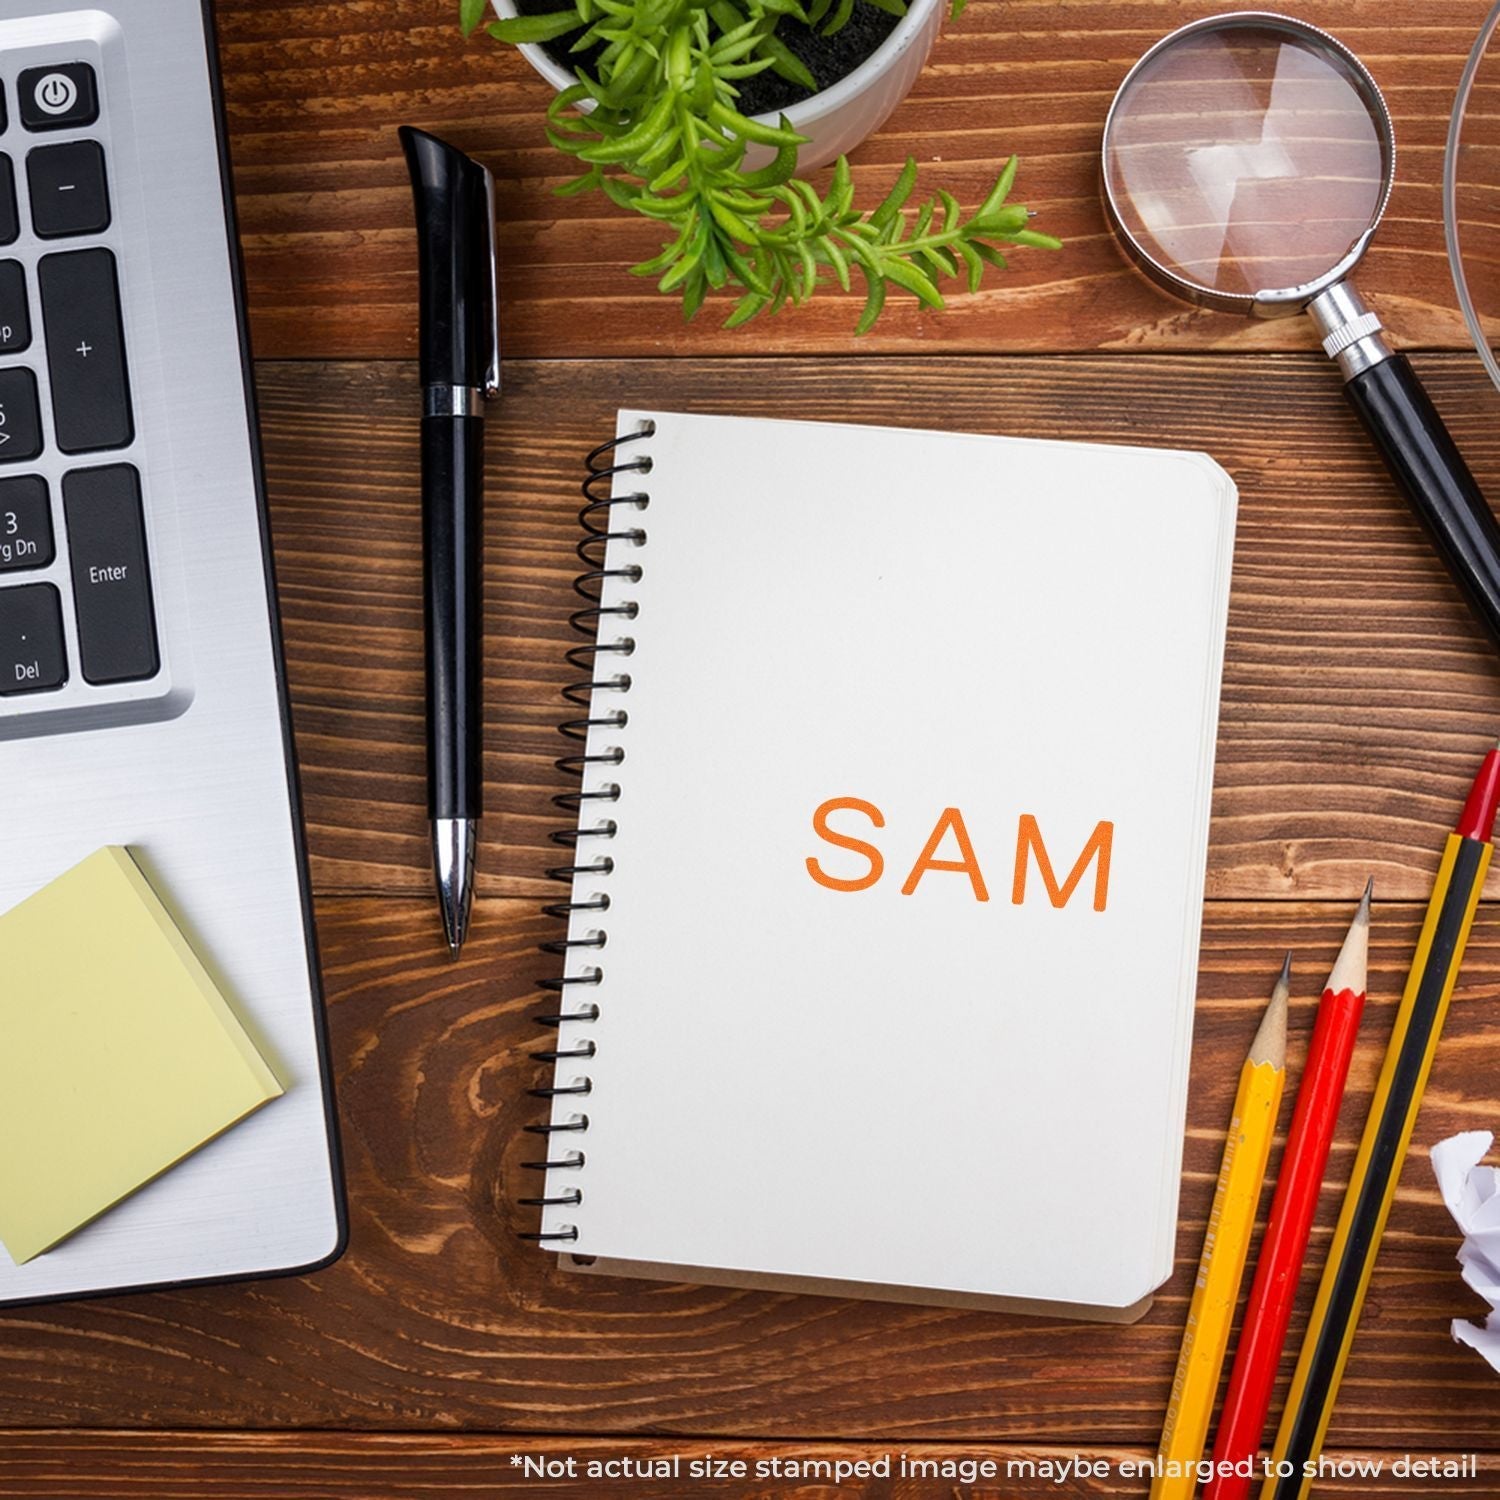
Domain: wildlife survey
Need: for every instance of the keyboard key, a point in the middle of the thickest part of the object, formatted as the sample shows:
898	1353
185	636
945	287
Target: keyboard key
111	576
57	96
20	417
32	656
25	523
4	117
68	192
10	218
15	314
85	350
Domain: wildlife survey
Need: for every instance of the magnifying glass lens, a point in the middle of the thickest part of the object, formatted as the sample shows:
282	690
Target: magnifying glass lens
1246	159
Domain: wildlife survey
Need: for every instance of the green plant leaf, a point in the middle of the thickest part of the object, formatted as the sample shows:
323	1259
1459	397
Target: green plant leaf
618	191
1036	239
748	69
690	265
678	274
714	266
840	18
534	28
751	205
940	259
839	262
1010	219
904	274
669	176
669	254
638	138
777	171
628	77
566	99
743	268
663	208
747	129
731	223
577	185
746	308
874	302
786	62
470	14
809	282
735	44
1001	190
840	190
809	196
970	257
895	200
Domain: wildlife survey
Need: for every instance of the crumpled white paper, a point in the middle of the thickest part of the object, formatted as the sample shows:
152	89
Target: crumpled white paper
1472	1193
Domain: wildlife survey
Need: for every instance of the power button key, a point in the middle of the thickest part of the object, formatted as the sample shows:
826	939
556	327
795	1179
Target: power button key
58	96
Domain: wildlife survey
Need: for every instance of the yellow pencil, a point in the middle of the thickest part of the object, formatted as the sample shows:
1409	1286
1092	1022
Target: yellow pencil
1226	1246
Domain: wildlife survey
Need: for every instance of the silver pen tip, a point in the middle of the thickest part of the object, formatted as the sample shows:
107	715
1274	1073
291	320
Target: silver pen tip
453	847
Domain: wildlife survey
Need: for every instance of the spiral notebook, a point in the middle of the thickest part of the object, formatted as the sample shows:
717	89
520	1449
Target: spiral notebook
888	870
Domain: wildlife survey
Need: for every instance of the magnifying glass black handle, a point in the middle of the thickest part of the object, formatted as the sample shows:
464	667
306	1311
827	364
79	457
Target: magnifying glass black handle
1426	463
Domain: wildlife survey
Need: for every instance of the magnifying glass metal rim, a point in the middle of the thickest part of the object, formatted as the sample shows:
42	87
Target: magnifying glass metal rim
1271	302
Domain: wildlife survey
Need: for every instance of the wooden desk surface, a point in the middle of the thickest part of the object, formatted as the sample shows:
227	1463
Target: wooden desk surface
1357	699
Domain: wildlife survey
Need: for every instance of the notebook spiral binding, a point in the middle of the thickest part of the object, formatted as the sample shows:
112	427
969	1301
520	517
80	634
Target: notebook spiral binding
605	465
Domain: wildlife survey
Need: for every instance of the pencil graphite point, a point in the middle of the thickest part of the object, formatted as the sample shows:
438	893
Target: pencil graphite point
1352	964
1269	1045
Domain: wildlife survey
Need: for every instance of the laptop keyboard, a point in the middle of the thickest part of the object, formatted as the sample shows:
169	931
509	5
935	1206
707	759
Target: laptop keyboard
60	315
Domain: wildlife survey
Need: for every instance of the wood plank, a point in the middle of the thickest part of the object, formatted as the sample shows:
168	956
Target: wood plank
314	95
390	1466
439	1318
1358	695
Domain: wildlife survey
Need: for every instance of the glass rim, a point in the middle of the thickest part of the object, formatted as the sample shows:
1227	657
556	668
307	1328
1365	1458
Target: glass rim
1269	301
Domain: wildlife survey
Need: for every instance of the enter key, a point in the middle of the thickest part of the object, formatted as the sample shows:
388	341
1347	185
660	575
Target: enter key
111	574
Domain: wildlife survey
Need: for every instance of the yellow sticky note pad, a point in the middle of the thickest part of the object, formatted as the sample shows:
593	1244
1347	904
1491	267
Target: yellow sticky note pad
119	1056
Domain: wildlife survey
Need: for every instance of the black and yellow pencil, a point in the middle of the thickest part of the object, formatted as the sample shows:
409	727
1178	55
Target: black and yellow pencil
1388	1131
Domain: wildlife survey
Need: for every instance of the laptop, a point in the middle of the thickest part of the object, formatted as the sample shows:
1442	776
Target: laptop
142	692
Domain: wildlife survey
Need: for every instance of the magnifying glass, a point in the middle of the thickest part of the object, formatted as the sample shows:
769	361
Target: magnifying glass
1247	161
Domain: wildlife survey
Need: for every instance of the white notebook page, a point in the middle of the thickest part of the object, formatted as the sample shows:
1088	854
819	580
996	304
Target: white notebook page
923	1089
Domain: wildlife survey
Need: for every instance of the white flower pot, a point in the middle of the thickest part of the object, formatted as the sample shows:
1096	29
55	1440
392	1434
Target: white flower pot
837	119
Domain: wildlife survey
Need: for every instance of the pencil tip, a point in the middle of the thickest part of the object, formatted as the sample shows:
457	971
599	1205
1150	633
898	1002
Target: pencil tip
1349	968
1269	1045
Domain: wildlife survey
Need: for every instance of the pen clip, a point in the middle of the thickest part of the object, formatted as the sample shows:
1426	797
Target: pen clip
492	371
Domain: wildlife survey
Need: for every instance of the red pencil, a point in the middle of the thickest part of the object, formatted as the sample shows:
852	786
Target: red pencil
1269	1309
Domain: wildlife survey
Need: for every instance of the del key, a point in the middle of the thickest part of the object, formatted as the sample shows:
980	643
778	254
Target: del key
85	350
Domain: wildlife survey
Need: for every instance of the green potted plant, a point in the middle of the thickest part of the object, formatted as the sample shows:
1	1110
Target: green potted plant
656	104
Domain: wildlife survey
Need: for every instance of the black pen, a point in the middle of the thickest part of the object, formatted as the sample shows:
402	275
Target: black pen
460	371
